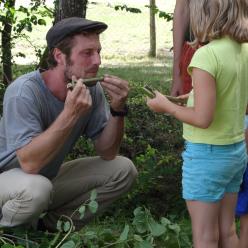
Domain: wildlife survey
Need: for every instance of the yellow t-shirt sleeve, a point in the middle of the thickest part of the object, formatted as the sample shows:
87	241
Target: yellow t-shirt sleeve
204	59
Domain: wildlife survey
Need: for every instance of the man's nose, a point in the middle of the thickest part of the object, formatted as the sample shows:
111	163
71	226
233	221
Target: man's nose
96	59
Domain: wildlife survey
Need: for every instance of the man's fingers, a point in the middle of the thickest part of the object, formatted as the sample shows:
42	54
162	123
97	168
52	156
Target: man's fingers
79	88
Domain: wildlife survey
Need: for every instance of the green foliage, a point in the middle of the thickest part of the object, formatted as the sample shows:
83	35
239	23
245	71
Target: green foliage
143	230
162	14
128	9
21	19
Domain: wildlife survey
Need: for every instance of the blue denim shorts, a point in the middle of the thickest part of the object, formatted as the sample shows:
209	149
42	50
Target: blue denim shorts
210	171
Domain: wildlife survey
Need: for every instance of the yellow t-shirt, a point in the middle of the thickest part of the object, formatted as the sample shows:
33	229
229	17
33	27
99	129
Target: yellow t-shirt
227	61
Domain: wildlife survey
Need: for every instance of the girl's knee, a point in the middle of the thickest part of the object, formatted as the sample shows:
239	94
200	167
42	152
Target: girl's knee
208	238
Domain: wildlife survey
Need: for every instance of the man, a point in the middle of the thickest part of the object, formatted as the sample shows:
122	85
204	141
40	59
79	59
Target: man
183	52
41	122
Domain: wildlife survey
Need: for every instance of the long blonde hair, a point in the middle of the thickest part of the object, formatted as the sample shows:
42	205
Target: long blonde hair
213	19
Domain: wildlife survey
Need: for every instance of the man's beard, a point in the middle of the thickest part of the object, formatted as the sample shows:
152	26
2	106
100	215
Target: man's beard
68	70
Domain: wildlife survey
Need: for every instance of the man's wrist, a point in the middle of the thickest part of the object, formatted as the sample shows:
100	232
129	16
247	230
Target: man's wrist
121	113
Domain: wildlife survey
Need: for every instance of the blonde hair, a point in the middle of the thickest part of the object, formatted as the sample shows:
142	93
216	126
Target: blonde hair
213	19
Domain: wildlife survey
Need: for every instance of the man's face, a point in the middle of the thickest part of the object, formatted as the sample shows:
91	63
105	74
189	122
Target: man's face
85	59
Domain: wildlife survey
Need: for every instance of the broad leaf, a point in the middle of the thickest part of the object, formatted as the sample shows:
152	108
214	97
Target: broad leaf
139	220
68	244
137	238
59	225
156	229
66	226
145	244
93	195
93	206
81	210
124	234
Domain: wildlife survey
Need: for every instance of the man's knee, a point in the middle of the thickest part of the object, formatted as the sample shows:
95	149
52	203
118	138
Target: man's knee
27	202
129	170
35	194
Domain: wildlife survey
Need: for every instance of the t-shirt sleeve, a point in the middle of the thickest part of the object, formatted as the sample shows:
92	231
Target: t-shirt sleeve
22	121
100	114
204	59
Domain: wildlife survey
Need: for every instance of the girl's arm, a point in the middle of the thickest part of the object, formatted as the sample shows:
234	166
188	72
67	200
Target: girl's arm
202	113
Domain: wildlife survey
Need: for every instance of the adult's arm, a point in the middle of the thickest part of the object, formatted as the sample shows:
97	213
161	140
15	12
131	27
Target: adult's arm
108	143
44	147
180	27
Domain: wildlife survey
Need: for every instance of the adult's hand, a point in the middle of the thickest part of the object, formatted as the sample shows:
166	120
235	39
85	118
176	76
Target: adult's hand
78	100
117	90
177	86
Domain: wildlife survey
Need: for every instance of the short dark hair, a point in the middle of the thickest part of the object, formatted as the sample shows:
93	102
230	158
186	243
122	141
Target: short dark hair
64	46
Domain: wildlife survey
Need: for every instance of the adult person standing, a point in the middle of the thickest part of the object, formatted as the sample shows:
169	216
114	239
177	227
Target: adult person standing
42	120
182	51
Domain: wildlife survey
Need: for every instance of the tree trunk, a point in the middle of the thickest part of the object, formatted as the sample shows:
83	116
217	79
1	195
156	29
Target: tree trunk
6	46
152	52
64	9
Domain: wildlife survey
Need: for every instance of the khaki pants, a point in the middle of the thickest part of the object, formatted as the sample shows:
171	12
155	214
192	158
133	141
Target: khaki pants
23	197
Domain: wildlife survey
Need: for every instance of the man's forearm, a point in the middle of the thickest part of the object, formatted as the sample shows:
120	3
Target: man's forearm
180	26
108	144
43	148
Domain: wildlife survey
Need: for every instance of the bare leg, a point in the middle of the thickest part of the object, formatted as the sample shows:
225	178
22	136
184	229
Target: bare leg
205	226
244	231
228	235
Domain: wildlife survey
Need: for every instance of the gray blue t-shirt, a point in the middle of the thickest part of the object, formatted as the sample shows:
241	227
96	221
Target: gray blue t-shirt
29	108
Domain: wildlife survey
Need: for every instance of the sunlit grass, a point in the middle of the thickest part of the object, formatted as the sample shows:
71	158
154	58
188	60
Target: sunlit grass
125	41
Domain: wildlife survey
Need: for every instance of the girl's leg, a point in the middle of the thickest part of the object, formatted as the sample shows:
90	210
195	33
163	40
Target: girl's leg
205	226
228	235
244	231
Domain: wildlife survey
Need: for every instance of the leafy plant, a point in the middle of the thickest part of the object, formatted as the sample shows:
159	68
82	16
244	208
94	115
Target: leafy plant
140	232
65	228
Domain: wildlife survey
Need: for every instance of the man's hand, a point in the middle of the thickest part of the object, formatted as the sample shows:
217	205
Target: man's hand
78	100
117	90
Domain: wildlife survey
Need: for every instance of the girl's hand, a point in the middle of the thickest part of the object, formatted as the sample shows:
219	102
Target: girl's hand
185	96
159	103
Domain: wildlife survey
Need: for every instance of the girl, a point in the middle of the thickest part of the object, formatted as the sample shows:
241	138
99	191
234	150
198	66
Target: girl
214	159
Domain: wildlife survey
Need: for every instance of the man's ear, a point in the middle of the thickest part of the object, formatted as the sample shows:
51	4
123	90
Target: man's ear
59	56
